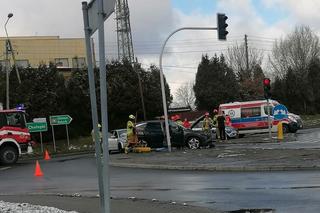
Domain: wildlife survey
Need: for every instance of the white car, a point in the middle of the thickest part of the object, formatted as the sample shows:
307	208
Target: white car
117	140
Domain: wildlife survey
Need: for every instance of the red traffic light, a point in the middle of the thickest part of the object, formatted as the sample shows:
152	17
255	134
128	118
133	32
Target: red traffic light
266	82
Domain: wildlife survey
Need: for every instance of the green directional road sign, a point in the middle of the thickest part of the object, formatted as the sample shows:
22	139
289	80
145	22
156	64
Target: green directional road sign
37	127
60	120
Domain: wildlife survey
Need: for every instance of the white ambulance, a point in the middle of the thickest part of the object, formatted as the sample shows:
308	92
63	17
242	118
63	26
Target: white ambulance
252	117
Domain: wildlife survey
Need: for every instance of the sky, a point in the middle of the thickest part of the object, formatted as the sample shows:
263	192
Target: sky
152	21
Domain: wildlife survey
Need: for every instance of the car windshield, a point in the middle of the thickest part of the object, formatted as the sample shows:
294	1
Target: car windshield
121	131
173	124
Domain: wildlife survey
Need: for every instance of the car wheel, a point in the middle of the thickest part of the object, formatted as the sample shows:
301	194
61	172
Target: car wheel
8	155
193	143
285	128
120	149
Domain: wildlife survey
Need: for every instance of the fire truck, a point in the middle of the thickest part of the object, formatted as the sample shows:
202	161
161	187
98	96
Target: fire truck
15	138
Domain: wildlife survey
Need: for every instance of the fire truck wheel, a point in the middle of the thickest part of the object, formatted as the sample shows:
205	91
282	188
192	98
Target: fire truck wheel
8	155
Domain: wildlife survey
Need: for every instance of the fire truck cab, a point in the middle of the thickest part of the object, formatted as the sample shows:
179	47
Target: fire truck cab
15	138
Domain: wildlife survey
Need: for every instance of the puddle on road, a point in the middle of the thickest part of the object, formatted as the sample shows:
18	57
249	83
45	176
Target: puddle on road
253	211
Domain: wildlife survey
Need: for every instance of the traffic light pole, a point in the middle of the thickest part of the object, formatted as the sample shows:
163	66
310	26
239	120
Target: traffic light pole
269	120
164	100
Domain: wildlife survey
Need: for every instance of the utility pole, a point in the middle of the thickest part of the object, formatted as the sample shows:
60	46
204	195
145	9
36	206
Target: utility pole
141	91
247	55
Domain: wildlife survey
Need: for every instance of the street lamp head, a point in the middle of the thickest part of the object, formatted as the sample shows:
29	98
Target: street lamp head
10	15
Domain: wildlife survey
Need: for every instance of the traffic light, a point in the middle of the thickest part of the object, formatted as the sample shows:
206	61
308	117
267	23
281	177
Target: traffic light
222	26
267	88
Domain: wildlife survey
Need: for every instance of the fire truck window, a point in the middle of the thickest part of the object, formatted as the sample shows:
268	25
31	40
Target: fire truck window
250	112
3	120
15	119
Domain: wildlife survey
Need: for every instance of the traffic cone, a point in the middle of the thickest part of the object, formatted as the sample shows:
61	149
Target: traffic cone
38	172
46	155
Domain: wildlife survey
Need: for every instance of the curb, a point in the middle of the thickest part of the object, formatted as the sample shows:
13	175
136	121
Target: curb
216	168
53	155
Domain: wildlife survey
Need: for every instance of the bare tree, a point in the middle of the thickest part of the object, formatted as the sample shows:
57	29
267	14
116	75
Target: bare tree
294	51
236	59
184	96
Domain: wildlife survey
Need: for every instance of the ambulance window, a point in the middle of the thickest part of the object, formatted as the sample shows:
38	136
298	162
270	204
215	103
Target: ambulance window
266	110
250	112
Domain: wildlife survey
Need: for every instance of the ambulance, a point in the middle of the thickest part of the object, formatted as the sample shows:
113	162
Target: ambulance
252	117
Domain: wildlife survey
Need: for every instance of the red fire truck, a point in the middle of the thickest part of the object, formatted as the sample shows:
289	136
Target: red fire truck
15	138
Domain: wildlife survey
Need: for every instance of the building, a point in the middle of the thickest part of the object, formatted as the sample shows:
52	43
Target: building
66	53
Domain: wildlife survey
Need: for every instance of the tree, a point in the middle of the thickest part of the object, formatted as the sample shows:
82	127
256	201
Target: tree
185	95
78	101
290	59
152	92
250	77
124	95
42	91
314	85
236	58
295	51
215	83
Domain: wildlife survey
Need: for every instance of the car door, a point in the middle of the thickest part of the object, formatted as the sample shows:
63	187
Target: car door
176	132
112	139
154	135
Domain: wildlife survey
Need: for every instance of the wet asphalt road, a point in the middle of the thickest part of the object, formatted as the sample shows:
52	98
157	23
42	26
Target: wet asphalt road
284	191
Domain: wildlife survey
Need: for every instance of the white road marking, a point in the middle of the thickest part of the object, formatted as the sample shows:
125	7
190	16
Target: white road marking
5	168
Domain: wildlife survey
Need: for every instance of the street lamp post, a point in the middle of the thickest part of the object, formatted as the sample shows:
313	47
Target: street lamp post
164	102
7	63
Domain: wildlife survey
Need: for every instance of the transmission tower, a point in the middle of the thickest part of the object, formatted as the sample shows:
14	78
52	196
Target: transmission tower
124	37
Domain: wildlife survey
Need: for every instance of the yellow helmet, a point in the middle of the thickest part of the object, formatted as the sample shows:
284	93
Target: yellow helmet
132	117
99	125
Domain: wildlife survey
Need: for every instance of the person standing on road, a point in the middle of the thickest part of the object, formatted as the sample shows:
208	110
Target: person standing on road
207	124
215	122
99	136
221	125
186	123
131	133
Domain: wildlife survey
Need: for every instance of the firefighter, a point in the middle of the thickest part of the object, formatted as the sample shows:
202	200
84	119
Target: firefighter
215	122
131	133
207	124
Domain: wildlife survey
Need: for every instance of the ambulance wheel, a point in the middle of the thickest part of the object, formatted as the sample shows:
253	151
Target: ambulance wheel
285	128
8	155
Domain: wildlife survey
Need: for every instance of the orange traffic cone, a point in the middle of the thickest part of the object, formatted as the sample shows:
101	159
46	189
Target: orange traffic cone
38	172
46	155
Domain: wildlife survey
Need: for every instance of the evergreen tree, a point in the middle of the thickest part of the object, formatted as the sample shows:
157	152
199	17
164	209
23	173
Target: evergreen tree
314	79
215	83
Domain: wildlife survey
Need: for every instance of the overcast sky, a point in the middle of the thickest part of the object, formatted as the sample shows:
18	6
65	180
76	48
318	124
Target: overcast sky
152	20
